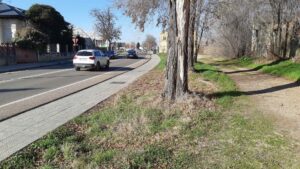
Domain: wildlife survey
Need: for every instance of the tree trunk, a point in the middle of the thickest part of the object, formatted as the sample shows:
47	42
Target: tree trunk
171	69
183	16
191	39
109	45
176	84
294	43
286	40
280	31
198	12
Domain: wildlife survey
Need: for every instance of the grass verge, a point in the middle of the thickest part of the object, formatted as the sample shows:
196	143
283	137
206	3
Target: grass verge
137	129
284	68
224	83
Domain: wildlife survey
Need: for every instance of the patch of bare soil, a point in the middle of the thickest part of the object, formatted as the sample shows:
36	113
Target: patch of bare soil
272	95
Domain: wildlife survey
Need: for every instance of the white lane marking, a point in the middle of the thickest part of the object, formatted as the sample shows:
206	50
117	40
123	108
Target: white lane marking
32	76
4	105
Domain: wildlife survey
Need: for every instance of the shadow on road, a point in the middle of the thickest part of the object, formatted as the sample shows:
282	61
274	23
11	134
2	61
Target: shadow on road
17	90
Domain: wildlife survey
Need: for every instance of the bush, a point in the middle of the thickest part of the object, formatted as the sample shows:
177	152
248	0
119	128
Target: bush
30	38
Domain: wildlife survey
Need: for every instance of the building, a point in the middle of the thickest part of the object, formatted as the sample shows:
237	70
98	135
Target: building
163	42
89	43
12	19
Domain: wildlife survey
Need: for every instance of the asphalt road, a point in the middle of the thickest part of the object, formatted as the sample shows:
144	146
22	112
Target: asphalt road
21	84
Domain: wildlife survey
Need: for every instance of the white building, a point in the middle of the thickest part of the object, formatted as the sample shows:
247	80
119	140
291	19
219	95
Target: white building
12	19
89	44
163	42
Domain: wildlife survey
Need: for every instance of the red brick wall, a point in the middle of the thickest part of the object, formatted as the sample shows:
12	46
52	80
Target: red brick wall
26	56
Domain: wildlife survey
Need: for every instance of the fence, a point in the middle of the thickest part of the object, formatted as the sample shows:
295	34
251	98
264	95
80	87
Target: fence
10	55
7	54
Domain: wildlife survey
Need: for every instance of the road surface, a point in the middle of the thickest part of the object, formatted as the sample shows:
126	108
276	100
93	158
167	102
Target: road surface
19	85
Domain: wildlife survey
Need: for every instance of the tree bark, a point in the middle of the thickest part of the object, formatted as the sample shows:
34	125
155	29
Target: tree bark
176	77
183	16
171	69
286	39
294	43
191	39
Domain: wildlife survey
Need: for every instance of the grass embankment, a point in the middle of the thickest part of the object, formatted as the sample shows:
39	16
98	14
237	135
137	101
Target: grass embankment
137	129
284	68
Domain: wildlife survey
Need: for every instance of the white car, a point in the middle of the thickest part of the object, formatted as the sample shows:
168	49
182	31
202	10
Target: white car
90	59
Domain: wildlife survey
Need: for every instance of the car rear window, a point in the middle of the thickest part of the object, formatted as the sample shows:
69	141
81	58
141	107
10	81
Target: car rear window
84	53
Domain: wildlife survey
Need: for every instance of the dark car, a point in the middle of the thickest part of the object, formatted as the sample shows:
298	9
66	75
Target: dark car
111	54
132	54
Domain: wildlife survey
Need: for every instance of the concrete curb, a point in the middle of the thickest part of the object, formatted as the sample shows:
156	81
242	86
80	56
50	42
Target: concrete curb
20	131
19	67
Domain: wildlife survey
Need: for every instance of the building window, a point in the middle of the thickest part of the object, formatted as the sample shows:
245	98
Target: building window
13	30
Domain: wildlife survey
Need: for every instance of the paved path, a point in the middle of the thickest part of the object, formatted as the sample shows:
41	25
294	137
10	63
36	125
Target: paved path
19	131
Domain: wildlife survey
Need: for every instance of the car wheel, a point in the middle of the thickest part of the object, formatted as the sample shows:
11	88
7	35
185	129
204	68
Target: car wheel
98	66
77	68
107	65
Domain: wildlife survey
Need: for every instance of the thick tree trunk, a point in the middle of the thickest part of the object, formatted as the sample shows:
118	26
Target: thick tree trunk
183	16
176	75
171	69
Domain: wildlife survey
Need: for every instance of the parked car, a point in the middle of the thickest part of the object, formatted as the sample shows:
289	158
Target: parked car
111	54
90	59
132	54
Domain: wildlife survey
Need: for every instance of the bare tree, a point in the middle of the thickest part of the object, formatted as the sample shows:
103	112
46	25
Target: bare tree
106	26
267	26
150	42
141	11
205	17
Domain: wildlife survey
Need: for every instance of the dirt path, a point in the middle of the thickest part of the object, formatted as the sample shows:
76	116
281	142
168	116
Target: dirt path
272	95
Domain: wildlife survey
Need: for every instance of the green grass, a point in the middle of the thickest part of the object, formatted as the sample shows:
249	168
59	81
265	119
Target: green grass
133	132
163	61
225	84
284	68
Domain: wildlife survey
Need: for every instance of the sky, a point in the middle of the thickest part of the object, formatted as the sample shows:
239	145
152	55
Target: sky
77	12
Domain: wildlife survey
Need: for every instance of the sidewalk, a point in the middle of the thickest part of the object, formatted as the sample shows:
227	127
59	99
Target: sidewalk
18	132
25	66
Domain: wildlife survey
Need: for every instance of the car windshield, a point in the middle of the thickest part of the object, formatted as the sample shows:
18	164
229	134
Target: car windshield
84	53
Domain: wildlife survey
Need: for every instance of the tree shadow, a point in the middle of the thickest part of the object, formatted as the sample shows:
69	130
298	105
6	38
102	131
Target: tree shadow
255	92
205	70
256	68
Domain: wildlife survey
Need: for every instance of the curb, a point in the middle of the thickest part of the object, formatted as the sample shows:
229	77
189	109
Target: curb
33	66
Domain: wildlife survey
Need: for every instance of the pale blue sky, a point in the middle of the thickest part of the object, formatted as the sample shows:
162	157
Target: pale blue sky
77	12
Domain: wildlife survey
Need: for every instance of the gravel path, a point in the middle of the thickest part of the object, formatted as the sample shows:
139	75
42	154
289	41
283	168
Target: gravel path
272	95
